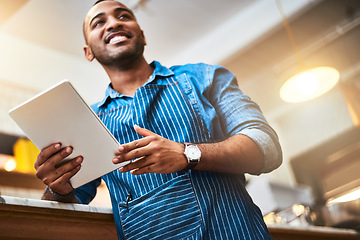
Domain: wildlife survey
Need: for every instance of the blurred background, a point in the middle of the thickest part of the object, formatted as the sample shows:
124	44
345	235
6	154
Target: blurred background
41	44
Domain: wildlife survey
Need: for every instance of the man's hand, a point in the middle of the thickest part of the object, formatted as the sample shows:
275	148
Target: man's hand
238	154
151	154
54	176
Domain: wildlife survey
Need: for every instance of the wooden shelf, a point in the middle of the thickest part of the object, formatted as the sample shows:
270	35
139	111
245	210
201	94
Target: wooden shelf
20	180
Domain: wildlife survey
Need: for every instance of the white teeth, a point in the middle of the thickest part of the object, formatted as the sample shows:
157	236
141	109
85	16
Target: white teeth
117	39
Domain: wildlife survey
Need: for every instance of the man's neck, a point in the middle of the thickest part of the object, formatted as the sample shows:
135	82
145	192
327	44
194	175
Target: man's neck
126	80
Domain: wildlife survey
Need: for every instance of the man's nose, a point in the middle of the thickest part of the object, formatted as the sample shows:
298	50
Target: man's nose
113	23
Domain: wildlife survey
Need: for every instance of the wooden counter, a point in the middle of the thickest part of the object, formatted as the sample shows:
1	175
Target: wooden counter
36	219
287	232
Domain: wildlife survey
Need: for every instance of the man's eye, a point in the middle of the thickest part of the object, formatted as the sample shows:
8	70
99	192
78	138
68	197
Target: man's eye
124	16
98	23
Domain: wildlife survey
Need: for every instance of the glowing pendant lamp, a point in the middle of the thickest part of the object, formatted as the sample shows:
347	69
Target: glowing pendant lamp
308	84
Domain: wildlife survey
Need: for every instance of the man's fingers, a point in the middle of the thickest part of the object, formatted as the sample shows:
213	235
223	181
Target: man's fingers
142	161
62	154
67	167
46	153
143	170
127	147
50	176
134	151
148	135
53	172
52	155
144	132
60	184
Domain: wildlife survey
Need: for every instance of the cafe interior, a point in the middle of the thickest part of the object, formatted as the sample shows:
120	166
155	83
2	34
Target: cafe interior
298	60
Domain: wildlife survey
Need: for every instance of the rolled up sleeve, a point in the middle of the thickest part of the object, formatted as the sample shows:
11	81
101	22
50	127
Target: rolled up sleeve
269	148
238	114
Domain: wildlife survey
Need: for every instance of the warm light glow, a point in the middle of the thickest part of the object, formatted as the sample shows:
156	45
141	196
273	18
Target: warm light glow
309	84
10	164
298	209
353	195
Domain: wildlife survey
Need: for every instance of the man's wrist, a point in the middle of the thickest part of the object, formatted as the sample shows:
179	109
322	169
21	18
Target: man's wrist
57	196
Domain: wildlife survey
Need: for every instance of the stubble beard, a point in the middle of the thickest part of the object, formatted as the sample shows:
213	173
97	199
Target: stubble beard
122	58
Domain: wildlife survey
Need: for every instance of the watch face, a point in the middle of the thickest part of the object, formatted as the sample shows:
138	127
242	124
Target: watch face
193	152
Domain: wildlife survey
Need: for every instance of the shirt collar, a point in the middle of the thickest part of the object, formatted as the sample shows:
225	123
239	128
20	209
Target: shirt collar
159	71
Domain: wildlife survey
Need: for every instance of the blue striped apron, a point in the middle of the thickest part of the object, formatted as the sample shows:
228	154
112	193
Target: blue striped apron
192	205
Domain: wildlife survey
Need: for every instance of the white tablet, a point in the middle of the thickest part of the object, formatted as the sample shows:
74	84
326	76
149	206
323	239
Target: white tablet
59	114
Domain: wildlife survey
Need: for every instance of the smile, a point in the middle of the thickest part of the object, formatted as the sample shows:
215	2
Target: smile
117	39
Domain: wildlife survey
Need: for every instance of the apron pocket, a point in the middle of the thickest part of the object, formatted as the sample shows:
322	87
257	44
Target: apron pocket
170	211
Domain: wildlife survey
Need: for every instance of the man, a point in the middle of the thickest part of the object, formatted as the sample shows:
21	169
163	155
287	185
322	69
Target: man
191	135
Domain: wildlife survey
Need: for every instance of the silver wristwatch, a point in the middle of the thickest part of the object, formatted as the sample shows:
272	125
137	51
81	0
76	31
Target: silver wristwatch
193	155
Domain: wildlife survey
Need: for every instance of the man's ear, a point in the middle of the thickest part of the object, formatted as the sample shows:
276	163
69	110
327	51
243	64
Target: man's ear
88	53
143	35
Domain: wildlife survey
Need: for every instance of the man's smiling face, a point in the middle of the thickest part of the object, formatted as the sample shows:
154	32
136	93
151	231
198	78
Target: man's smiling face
112	34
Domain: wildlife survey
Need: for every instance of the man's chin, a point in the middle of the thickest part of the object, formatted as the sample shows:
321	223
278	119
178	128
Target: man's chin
115	55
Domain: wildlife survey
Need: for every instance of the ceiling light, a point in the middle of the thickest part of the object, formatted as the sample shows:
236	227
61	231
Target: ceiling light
309	84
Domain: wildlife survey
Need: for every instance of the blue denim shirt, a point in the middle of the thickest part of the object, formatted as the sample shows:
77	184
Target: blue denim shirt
214	93
216	100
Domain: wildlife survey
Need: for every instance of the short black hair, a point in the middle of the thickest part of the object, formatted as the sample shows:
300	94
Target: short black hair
99	2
